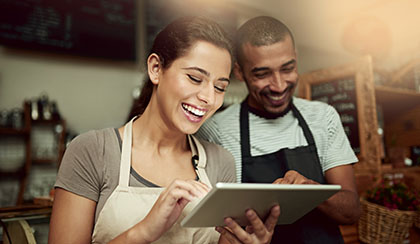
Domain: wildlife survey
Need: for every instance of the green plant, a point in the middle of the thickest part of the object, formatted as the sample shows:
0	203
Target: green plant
394	194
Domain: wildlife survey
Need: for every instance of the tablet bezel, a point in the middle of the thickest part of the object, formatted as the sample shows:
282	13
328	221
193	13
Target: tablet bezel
233	199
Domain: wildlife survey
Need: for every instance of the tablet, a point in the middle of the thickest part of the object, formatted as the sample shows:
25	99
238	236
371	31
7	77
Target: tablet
233	199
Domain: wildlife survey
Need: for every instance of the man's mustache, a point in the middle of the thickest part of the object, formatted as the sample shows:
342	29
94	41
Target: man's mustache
268	91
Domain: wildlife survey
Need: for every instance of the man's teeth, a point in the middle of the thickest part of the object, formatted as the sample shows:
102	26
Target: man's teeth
275	98
195	111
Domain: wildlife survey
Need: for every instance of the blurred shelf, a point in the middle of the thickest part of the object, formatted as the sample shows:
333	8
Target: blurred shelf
388	169
13	131
395	101
47	122
11	174
44	161
22	174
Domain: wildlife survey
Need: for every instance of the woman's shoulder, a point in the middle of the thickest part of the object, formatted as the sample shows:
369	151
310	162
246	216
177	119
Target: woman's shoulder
220	165
93	137
213	148
94	141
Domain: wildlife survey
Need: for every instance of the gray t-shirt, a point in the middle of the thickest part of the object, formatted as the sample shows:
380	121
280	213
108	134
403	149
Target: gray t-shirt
91	165
270	135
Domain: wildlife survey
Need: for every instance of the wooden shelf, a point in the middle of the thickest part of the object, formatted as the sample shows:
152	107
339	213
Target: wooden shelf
44	161
47	122
24	211
12	174
22	174
390	170
395	101
13	131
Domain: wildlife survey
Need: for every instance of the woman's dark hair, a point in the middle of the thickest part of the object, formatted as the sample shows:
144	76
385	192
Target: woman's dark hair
174	41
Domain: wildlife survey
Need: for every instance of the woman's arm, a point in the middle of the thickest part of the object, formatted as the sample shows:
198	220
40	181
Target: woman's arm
72	218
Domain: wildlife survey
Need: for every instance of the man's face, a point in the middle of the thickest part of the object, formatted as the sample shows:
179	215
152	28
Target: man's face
270	73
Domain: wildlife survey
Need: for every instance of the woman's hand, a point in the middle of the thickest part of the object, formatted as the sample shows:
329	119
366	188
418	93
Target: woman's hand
167	209
257	232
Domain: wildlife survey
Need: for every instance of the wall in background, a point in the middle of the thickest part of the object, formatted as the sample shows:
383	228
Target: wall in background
93	93
90	94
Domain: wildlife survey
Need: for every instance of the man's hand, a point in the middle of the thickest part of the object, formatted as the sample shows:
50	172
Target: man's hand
293	177
255	233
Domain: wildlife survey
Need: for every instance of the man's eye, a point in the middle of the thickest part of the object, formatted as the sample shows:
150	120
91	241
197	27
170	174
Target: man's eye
287	70
261	75
193	78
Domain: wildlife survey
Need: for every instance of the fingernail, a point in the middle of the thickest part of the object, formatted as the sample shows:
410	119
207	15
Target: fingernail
228	221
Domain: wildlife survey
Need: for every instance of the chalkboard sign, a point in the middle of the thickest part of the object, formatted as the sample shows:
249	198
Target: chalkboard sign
94	28
350	90
341	94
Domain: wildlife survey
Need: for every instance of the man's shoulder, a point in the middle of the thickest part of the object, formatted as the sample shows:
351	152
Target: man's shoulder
314	108
230	112
220	123
301	102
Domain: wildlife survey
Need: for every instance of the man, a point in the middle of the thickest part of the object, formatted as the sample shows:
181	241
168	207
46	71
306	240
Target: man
275	137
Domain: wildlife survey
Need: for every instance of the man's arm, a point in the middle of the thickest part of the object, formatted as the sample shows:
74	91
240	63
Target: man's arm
343	207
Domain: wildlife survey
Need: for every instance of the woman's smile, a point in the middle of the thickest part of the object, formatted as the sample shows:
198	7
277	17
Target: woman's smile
193	113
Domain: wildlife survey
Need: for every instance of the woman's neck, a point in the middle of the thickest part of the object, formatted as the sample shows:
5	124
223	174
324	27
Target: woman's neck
150	131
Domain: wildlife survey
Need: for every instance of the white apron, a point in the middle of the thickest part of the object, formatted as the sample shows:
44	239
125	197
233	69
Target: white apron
127	206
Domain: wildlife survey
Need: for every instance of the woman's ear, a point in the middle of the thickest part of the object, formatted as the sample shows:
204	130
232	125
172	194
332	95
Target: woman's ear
154	68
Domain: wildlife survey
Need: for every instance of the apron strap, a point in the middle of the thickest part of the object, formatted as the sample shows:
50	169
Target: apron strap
125	162
197	148
302	123
244	130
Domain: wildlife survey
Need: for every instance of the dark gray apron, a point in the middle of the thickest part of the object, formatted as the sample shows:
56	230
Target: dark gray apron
314	227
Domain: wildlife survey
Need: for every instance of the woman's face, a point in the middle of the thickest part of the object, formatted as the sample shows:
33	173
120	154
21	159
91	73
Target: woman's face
193	87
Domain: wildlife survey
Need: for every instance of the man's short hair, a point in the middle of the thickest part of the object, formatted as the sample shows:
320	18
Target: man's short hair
260	31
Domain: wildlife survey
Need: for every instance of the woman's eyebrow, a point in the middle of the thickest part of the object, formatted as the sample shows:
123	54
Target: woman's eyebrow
206	73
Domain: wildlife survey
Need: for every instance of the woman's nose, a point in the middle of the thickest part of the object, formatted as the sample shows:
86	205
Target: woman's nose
206	93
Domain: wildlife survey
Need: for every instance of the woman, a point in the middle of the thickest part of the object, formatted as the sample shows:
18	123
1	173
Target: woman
139	192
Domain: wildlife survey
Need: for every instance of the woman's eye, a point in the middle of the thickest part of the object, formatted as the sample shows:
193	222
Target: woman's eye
193	78
220	89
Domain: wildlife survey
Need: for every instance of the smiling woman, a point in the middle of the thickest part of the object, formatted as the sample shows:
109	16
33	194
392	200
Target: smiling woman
134	184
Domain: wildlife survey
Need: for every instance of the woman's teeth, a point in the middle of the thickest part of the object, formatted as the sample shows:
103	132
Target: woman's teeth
194	111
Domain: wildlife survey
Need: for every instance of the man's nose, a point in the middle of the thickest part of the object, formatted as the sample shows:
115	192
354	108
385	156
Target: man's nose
278	83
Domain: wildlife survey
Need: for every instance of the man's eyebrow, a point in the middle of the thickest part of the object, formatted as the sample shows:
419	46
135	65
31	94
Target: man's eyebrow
293	61
206	73
257	69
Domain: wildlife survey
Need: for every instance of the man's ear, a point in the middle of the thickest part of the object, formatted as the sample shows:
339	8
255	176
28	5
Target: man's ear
237	70
154	68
